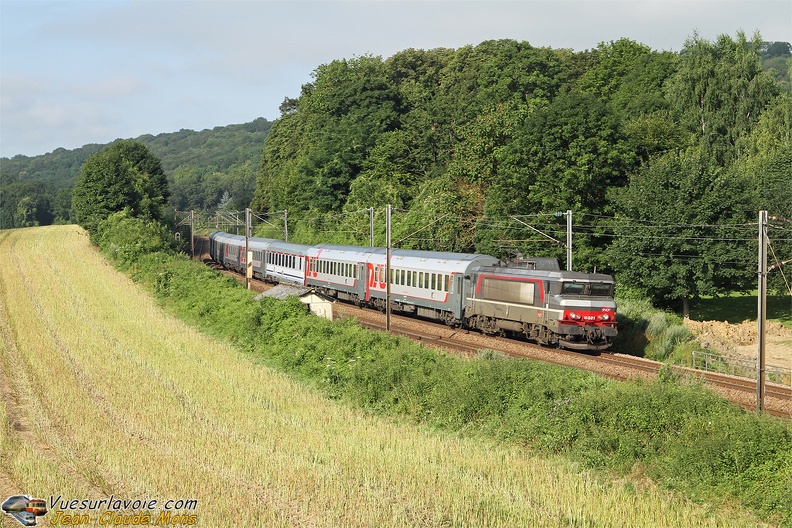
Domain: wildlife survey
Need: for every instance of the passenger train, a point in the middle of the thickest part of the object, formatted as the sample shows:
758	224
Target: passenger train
533	298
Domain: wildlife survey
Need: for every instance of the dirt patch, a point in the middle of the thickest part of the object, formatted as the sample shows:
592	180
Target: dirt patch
740	340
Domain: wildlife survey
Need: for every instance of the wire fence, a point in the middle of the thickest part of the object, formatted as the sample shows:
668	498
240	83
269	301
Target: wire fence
745	368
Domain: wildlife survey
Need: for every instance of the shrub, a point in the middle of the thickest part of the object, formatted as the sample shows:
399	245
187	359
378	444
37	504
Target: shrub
125	238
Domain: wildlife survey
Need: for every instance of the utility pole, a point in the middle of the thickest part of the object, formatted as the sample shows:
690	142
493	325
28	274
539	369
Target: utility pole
761	315
569	239
248	253
387	268
371	226
285	225
192	234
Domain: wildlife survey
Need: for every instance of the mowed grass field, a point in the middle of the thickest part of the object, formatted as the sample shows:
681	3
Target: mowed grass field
105	394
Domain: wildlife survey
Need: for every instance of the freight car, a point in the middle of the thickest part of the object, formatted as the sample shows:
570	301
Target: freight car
529	297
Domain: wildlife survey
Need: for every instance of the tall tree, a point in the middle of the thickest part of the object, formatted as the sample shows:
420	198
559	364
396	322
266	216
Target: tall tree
682	230
123	175
720	90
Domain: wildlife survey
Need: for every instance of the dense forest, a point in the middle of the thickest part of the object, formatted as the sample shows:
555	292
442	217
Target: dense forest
203	168
663	158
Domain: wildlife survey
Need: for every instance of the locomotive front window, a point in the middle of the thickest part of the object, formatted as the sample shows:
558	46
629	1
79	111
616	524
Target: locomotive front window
572	288
603	290
587	288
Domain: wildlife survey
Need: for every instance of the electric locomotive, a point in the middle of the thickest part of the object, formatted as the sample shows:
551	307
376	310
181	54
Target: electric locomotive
545	304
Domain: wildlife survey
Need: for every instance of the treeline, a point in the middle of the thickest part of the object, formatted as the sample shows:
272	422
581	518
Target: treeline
664	158
201	168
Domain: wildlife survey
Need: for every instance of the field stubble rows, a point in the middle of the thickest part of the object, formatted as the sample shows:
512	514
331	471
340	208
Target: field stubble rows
103	393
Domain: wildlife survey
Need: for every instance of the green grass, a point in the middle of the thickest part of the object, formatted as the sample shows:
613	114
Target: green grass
737	307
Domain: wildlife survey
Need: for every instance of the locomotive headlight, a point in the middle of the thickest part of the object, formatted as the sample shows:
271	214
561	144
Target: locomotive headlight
604	317
574	316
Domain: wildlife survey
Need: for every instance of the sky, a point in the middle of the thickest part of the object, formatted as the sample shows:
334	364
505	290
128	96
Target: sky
74	73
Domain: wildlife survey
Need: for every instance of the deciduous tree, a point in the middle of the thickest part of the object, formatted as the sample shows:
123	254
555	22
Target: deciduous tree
123	175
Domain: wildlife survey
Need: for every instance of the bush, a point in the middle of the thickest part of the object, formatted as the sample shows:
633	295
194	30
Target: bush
125	238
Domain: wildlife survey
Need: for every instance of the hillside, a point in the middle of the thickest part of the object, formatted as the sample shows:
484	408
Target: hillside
217	149
36	190
105	394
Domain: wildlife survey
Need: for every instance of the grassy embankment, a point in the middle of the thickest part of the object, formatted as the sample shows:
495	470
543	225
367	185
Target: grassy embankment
104	393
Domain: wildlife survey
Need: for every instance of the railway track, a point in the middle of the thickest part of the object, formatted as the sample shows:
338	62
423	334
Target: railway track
611	364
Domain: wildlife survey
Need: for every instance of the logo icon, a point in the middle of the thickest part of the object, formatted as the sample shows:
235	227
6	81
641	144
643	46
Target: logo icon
24	509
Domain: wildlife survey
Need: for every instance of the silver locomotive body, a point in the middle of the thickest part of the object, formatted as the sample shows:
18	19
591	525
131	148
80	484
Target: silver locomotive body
563	308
